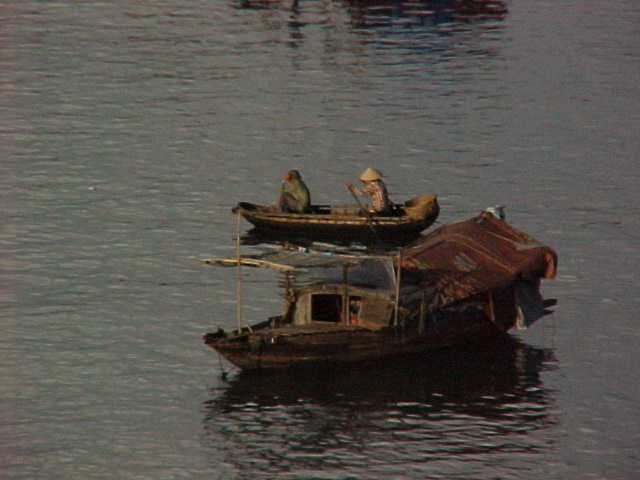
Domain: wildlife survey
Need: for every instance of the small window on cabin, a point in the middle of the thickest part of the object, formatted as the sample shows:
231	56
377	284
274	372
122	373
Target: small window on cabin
326	308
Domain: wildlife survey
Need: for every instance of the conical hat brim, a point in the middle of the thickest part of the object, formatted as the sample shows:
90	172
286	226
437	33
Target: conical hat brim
370	174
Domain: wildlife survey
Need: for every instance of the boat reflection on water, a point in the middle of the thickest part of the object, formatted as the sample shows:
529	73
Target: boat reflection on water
255	237
507	370
468	401
376	13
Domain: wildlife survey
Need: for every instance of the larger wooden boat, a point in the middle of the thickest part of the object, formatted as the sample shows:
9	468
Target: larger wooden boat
344	222
463	282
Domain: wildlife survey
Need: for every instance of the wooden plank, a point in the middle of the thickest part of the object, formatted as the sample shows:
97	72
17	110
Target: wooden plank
252	262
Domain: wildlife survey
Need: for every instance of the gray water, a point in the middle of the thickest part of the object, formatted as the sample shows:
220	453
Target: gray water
128	129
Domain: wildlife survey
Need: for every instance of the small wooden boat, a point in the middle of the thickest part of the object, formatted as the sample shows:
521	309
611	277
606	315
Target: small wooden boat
344	222
461	283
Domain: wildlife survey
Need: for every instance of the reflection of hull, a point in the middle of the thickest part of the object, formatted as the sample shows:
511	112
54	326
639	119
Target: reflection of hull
371	13
508	367
420	417
379	239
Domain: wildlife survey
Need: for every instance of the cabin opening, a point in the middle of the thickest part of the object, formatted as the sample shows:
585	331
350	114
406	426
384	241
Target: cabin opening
328	307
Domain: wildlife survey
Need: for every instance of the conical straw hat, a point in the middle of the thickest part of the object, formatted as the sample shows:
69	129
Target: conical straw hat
370	174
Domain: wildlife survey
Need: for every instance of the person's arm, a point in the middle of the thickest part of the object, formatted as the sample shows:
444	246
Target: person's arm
355	189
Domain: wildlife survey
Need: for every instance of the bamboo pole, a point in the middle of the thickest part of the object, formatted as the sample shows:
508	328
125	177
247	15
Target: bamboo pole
345	300
423	309
370	221
288	300
238	277
252	262
397	306
239	316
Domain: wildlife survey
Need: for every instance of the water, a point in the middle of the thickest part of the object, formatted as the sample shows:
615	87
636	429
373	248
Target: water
129	130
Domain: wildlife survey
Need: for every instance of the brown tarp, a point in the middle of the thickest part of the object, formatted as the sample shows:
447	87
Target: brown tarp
463	259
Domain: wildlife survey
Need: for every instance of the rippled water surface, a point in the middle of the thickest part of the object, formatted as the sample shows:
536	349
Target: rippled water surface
128	129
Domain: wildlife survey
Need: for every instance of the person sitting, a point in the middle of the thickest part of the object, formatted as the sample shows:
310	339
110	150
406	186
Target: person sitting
294	194
373	186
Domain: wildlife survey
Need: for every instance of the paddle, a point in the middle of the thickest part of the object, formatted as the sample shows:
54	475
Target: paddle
366	212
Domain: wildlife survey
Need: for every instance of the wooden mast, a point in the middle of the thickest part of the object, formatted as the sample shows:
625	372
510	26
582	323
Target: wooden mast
397	303
239	319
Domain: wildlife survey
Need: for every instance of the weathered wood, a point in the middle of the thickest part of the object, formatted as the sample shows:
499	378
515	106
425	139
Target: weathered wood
344	223
252	262
454	289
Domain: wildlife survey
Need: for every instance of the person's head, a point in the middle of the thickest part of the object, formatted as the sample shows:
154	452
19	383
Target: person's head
370	175
292	175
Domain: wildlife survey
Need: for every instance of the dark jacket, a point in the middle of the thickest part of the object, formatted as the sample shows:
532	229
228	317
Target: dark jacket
294	194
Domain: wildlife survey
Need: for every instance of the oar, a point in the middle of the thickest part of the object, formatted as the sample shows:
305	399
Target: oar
367	214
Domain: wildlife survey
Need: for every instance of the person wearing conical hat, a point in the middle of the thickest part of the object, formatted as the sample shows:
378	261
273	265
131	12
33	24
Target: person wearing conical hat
373	185
294	195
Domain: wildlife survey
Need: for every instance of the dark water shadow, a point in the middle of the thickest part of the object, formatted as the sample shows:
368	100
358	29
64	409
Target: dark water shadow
375	13
473	403
421	32
371	242
505	368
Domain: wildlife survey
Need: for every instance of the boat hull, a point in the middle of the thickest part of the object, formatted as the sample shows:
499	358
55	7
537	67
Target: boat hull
339	345
345	223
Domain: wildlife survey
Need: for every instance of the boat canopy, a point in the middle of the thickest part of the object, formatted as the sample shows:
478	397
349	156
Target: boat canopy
307	267
453	263
467	258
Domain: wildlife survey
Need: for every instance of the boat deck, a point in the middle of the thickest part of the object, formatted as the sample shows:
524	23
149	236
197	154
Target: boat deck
309	329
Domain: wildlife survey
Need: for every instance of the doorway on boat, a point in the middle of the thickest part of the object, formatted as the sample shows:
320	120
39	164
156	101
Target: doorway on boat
328	307
354	309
